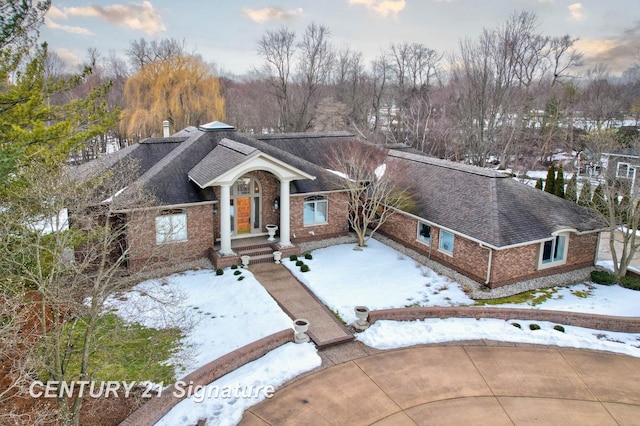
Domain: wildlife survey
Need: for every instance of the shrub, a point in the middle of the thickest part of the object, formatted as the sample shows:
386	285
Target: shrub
234	266
534	327
304	268
219	271
632	283
559	328
293	258
241	277
308	256
516	325
603	277
299	263
237	272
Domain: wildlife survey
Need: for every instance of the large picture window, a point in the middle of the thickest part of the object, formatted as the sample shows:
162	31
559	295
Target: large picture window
553	252
446	242
171	226
315	210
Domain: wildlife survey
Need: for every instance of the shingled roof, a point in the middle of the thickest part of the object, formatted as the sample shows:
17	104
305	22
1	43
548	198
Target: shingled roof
173	168
487	205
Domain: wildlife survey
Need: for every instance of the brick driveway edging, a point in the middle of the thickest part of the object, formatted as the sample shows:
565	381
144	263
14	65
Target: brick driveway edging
577	319
156	408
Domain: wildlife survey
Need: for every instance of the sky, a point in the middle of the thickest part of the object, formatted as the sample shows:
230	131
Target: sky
226	32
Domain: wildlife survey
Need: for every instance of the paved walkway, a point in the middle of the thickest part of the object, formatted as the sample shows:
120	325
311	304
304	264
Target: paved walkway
476	383
298	302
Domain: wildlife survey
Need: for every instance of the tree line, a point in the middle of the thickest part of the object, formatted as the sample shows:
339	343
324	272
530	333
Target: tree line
509	97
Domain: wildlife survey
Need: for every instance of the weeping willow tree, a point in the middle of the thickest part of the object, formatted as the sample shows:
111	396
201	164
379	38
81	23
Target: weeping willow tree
181	89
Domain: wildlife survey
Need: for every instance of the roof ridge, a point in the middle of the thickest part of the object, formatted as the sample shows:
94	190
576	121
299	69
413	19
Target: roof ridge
298	135
495	211
176	152
437	162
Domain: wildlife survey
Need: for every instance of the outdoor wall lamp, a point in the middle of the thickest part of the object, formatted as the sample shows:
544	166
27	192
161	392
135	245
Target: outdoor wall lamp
276	203
215	210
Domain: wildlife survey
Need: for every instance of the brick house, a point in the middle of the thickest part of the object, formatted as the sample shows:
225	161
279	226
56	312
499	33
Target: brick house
217	190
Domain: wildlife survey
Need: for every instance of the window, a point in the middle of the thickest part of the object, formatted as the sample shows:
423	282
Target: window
424	233
446	242
553	252
625	170
171	226
315	210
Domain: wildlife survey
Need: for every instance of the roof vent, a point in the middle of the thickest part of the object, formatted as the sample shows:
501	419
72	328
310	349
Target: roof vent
215	126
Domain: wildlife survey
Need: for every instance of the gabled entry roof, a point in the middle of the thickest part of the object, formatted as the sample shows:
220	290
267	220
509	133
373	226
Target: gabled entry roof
230	159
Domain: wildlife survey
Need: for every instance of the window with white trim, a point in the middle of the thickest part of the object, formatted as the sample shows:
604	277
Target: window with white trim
171	226
553	252
446	242
625	170
424	233
315	210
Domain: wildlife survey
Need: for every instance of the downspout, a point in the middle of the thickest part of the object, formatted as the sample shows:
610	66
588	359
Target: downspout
595	258
486	281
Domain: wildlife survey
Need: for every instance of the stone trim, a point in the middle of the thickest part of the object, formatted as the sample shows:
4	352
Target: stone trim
156	408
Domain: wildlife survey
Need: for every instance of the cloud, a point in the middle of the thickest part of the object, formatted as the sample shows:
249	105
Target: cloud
382	7
68	57
138	16
66	28
270	13
577	12
617	52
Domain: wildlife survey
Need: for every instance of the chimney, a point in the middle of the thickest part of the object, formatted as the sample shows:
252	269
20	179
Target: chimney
165	128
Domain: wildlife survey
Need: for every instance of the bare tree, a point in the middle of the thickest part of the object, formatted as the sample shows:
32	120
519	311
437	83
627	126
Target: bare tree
373	185
619	205
278	48
62	253
314	68
142	52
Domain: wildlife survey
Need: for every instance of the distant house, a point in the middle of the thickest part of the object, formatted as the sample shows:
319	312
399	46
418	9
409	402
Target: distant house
624	166
217	190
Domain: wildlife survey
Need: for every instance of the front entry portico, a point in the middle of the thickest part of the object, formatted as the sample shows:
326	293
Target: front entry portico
229	166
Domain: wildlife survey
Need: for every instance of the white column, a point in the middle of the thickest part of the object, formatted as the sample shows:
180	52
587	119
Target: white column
285	238
225	220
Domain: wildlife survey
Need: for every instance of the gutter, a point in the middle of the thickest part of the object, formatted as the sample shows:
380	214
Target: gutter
486	281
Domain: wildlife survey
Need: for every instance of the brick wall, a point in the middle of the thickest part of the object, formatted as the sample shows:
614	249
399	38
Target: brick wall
338	220
521	263
577	319
507	266
141	238
468	257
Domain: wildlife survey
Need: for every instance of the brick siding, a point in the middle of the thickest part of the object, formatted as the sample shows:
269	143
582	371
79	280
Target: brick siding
338	220
141	238
470	259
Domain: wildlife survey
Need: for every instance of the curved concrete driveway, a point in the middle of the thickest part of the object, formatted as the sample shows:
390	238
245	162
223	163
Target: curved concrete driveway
497	385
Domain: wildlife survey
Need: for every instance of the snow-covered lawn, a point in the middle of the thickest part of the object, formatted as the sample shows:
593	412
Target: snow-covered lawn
589	298
223	314
274	369
392	334
377	277
218	313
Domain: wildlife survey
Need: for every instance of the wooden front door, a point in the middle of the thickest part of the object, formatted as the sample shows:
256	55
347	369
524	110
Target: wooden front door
243	215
